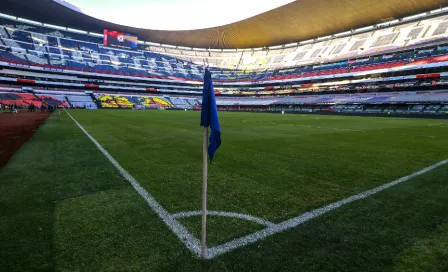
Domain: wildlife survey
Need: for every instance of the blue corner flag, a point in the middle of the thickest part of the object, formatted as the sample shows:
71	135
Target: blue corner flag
209	114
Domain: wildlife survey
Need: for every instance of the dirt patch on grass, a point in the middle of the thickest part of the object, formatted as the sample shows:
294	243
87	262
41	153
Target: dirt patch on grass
16	129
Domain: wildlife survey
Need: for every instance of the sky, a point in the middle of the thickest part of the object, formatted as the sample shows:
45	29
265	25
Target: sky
176	14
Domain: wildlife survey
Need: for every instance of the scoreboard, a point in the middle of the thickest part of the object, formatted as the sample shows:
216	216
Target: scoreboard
120	39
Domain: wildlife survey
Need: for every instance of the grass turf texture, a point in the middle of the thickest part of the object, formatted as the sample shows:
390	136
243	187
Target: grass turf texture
65	207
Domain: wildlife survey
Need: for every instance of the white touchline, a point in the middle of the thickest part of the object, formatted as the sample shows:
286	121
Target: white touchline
293	222
182	233
193	243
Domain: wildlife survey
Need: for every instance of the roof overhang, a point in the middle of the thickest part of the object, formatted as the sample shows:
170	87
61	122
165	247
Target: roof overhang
298	21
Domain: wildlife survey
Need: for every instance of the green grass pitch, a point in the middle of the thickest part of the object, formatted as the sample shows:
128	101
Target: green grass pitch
65	207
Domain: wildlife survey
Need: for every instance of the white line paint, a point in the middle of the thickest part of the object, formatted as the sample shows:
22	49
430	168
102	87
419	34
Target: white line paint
181	232
291	223
226	214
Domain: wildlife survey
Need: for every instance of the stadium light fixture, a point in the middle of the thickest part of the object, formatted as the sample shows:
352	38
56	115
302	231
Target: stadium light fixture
55	26
155	44
394	22
343	34
291	44
323	38
387	23
168	45
440	10
28	21
306	42
96	34
362	29
275	47
77	30
414	17
8	16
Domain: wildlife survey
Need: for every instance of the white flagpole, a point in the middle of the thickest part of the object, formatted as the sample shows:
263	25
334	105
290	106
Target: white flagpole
204	195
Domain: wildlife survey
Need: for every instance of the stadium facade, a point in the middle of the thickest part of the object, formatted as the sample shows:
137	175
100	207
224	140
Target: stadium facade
397	65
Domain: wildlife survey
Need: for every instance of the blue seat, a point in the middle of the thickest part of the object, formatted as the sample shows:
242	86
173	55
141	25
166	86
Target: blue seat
78	45
106	51
11	57
52	41
53	50
27	46
101	68
138	72
77	65
66	52
126	60
21	36
37	59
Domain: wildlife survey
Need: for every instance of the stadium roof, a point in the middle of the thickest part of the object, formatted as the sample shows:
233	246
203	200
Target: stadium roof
297	21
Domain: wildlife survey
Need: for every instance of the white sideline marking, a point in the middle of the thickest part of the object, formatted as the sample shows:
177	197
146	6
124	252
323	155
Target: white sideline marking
226	214
182	233
293	222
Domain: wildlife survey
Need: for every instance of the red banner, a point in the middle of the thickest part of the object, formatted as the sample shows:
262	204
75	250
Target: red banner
428	76
22	80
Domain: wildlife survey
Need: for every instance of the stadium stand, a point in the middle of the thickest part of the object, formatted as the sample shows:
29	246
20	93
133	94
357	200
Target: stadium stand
23	100
29	44
351	67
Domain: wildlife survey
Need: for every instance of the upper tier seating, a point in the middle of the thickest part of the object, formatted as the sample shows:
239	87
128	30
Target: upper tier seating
38	45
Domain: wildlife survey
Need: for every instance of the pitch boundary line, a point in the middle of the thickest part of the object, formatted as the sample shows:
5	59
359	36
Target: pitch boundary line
193	243
177	228
294	222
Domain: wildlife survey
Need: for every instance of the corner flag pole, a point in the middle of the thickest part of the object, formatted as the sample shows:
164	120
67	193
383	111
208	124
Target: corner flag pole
209	118
204	195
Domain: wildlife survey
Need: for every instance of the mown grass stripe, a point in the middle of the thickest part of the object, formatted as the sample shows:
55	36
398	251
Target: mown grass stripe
181	232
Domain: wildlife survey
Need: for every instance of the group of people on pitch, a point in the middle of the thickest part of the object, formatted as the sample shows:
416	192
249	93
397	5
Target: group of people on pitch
49	108
13	108
31	107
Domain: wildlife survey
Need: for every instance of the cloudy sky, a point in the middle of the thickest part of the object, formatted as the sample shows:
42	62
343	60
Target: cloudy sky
176	14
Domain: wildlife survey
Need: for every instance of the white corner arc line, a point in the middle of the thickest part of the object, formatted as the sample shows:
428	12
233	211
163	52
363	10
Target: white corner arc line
226	214
294	222
181	232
